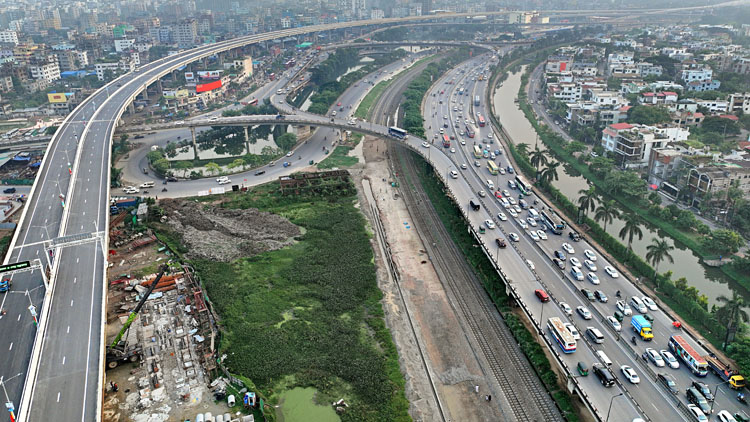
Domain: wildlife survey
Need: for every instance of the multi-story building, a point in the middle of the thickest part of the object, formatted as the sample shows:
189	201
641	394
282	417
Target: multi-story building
124	44
125	64
631	145
714	106
649	69
719	176
49	71
67	60
186	33
658	98
558	64
6	84
567	92
9	37
739	103
702	74
704	85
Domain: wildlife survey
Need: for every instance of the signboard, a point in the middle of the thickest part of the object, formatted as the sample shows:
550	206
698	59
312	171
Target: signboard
57	97
209	74
189	76
15	266
208	87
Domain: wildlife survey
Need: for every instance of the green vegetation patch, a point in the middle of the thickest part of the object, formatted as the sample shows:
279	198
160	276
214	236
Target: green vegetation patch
299	311
339	158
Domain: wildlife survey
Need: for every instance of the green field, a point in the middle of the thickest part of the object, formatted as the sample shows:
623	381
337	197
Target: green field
309	312
339	158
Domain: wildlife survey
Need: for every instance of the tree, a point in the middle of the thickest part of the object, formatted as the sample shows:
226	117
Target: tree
213	168
523	149
631	229
239	162
549	173
723	241
657	252
286	141
648	115
183	166
731	313
606	212
538	158
587	200
720	125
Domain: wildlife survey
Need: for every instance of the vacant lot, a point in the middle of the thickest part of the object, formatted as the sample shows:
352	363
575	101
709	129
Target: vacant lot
309	314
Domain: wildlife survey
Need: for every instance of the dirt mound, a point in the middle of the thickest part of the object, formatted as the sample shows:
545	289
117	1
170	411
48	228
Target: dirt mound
220	234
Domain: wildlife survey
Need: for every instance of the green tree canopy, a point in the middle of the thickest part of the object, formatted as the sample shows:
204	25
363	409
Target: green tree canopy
648	115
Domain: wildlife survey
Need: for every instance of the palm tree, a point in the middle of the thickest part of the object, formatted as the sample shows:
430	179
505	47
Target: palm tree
522	148
606	212
537	158
657	252
587	200
549	173
733	313
632	228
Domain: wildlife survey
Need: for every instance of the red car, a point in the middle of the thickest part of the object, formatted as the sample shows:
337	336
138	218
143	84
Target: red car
339	104
498	194
542	295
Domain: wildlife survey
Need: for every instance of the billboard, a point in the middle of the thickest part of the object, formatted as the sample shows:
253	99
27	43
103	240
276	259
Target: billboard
209	74
189	76
208	87
57	97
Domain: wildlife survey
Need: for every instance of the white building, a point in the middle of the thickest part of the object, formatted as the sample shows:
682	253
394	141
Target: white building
714	106
124	65
690	75
48	71
377	14
9	37
124	45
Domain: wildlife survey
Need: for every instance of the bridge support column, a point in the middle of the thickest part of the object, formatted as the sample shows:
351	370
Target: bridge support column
195	144
159	86
174	76
145	92
221	58
247	140
131	108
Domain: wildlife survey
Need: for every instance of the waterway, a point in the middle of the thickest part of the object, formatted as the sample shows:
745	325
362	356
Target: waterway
709	281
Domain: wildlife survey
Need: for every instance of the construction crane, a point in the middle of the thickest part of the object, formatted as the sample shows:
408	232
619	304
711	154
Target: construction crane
119	351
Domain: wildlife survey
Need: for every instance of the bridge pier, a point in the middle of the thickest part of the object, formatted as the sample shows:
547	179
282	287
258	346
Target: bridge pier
131	108
144	93
174	76
195	144
247	140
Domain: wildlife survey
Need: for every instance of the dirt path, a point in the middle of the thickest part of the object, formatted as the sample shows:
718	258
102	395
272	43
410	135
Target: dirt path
451	362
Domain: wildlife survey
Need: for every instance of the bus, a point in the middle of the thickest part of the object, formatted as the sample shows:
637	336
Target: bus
446	141
397	132
480	120
492	167
692	359
477	151
523	185
476	100
469	131
561	335
552	221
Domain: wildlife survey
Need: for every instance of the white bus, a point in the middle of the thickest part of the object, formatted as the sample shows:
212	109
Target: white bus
553	221
561	335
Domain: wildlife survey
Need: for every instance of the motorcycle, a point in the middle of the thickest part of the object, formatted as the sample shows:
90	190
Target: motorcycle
617	294
632	340
164	190
741	398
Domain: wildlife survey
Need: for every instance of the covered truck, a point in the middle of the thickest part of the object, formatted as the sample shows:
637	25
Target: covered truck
642	327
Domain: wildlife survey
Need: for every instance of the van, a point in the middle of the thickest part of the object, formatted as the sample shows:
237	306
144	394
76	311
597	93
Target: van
454	174
474	205
490	185
604	374
638	304
595	335
534	214
147	185
603	357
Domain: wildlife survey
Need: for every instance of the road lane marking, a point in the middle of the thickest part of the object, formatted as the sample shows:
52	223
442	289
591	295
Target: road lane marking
68	331
11	345
63	360
19	317
75	279
71	303
78	259
58	397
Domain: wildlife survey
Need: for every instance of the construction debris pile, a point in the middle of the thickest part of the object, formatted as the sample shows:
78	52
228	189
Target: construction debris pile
221	234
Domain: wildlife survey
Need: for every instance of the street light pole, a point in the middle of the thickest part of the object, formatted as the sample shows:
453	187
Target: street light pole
610	404
716	391
9	404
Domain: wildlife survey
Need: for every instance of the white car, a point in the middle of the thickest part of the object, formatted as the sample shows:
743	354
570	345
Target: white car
624	308
522	224
575	262
219	179
650	304
670	359
224	181
501	215
614	323
512	212
630	374
533	235
502	171
425	145
584	312
490	225
611	271
505	203
566	308
453	150
514	237
542	235
655	357
512	200
589	264
572	330
593	278
569	249
531	222
463	142
482	193
464	166
591	256
697	413
289	154
725	416
530	264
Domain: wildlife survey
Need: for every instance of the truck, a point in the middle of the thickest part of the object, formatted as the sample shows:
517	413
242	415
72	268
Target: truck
725	371
279	116
642	327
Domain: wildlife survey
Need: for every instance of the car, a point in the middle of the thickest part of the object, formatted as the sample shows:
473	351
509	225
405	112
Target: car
504	202
514	237
489	223
611	272
593	278
624	308
481	193
576	273
533	235
649	317
502	217
259	172
654	357
425	145
512	200
696	413
589	264
572	330
522	224
510	169
453	150
512	212
219	179
600	296
629	374
225	181
575	262
669	359
477	164
725	416
560	255
516	208
584	312
591	256
501	171
506	193
530	264
650	304
542	235
619	316
566	308
569	249
604	374
703	388
9	190
531	222
511	184
588	294
614	323
464	166
500	243
463	142
560	263
542	295
574	236
695	397
668	381
583	369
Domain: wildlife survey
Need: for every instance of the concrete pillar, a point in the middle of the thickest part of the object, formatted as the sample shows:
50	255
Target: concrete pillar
247	141
159	86
174	76
145	92
131	108
221	59
195	144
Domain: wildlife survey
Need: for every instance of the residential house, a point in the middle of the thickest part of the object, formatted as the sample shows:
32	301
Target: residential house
658	98
739	103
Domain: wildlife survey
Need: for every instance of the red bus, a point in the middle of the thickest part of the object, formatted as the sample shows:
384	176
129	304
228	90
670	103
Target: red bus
446	141
480	119
272	76
469	131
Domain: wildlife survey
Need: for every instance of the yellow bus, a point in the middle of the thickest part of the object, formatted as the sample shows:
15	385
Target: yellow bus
477	151
492	167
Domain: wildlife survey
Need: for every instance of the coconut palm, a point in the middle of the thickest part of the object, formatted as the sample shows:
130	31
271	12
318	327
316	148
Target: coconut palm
732	313
657	252
587	200
549	173
606	212
522	148
537	158
631	229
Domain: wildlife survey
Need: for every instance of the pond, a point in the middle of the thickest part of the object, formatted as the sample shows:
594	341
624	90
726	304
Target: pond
296	405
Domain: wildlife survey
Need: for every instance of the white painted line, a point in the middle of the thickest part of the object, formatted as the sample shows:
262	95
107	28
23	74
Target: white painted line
19	317
58	397
68	331
78	259
11	345
71	302
63	360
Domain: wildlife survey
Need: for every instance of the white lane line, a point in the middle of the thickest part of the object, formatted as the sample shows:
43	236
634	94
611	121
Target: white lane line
68	331
58	397
71	303
11	347
78	259
75	279
19	317
63	360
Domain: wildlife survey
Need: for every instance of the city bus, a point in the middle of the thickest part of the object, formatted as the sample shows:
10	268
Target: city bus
695	362
477	151
552	221
523	185
446	141
476	100
561	335
469	131
492	167
397	132
480	120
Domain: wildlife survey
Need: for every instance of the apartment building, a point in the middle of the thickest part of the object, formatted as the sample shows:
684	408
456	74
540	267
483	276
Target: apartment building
739	103
49	71
658	98
630	144
125	64
186	33
9	37
719	176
